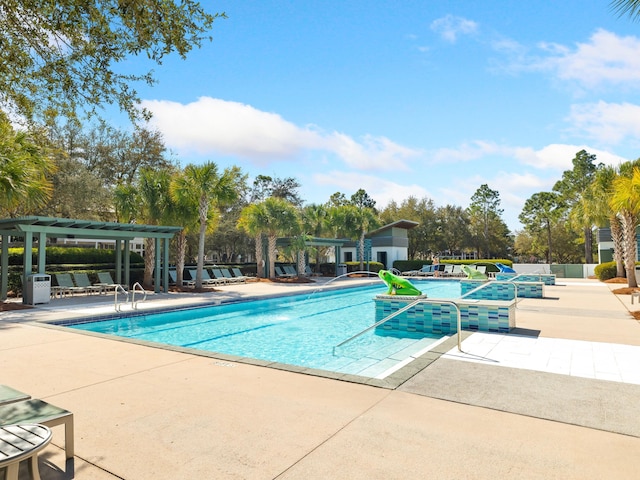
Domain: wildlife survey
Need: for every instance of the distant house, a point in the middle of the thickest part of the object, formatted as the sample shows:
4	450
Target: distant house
388	244
605	245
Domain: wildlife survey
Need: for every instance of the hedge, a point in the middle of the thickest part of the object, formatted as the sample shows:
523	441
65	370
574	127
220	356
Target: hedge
71	256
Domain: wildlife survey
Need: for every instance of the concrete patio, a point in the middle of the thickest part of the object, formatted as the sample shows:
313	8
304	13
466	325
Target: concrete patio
144	412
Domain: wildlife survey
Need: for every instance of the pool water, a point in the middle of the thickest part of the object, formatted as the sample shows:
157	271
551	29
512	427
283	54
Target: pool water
299	330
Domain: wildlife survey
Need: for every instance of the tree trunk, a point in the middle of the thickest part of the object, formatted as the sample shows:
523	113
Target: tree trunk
361	248
588	245
301	263
203	231
181	251
549	257
259	256
630	250
149	262
272	255
617	235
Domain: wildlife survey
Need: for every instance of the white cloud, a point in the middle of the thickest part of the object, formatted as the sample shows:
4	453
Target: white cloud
606	59
467	151
609	123
211	125
560	156
450	27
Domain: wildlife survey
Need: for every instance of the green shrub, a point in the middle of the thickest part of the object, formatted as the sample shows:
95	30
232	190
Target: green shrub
605	271
355	266
72	256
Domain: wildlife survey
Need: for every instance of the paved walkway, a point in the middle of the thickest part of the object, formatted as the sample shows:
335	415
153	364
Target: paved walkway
145	412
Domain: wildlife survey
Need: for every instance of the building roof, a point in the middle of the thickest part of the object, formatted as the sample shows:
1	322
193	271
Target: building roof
406	224
65	227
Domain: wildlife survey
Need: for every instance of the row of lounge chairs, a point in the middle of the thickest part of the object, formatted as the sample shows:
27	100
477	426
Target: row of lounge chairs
218	276
286	271
442	270
71	283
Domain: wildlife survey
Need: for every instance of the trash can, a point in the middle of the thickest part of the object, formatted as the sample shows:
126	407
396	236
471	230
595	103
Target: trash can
38	289
342	269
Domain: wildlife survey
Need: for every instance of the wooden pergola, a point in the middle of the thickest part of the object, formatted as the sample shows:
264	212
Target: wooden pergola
37	229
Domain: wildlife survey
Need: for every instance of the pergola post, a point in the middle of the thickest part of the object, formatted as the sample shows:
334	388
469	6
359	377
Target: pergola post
4	262
156	270
127	262
165	261
42	252
118	261
27	262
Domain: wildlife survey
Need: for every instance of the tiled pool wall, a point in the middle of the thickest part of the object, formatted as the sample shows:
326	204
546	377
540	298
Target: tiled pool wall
500	289
441	318
546	278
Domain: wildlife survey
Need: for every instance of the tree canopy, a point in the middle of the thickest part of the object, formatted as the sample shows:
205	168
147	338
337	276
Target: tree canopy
59	58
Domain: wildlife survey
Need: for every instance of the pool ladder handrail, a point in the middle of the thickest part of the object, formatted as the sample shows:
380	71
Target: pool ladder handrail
118	306
485	285
404	309
134	303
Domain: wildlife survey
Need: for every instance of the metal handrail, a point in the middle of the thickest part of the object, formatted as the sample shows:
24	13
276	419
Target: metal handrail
402	310
134	304
501	282
115	297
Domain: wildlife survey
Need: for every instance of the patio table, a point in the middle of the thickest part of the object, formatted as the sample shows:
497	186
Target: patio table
22	442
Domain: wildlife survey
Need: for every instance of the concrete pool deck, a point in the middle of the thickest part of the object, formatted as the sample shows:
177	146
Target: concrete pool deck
143	412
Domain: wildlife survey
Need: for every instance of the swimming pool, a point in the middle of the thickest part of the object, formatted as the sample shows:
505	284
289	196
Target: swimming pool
300	330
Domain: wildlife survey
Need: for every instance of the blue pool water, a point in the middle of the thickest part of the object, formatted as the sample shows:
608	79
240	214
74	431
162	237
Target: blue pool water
298	330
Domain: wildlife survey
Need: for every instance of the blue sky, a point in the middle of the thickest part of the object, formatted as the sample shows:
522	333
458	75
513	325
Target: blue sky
423	98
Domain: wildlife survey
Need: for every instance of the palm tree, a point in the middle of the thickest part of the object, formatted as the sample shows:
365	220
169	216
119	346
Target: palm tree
24	170
148	202
596	201
282	221
315	222
626	7
365	219
626	201
204	183
253	220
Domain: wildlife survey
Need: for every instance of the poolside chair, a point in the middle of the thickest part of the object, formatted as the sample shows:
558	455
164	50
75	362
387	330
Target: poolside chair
456	271
289	270
82	280
206	279
10	395
38	411
426	271
65	281
282	273
238	274
219	276
173	277
230	278
106	282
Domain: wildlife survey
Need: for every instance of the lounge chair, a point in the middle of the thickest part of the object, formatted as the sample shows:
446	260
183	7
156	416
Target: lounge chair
310	273
238	274
106	282
10	395
219	277
426	271
38	411
456	271
289	270
206	279
230	278
82	280
282	273
65	282
447	271
173	277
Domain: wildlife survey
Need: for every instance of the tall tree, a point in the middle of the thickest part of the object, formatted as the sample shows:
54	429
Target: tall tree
597	201
254	220
285	188
540	212
211	189
25	166
62	57
484	208
572	188
281	220
626	201
315	223
361	199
